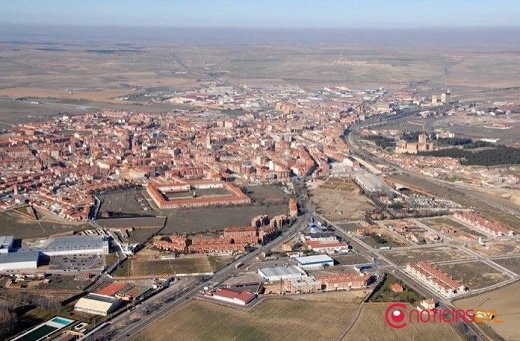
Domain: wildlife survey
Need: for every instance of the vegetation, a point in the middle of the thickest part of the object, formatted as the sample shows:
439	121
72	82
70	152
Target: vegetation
385	294
382	141
488	157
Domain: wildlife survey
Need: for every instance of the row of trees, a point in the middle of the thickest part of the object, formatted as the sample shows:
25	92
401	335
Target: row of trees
500	155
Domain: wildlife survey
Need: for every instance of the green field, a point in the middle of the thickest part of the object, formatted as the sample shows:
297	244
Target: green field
272	319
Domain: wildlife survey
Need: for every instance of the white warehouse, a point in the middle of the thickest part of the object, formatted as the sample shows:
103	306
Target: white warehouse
23	260
280	273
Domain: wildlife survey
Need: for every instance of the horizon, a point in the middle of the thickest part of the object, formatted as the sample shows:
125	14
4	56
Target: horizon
265	14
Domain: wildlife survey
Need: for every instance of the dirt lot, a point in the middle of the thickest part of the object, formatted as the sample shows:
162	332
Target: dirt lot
506	302
216	218
267	194
439	223
12	223
428	254
169	266
208	321
377	329
512	264
497	248
352	259
474	275
340	201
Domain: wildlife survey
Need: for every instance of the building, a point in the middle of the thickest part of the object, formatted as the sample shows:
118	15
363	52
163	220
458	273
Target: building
234	297
301	285
279	273
489	227
436	279
22	260
97	304
328	247
343	281
6	243
314	262
190	193
73	245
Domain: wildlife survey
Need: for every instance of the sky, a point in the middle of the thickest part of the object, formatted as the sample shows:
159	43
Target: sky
265	13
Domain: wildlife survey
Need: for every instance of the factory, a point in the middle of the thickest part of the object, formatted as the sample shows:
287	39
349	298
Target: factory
72	245
23	260
314	262
279	273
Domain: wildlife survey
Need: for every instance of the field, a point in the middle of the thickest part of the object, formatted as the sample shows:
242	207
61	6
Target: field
13	223
208	321
352	259
267	194
506	302
385	293
164	267
474	275
512	264
428	254
371	325
194	220
497	248
335	204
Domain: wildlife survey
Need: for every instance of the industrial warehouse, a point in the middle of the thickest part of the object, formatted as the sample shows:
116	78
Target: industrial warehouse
30	256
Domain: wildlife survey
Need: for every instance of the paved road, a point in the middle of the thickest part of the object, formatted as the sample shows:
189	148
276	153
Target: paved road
173	297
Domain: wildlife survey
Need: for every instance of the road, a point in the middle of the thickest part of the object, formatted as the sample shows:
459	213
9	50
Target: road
178	297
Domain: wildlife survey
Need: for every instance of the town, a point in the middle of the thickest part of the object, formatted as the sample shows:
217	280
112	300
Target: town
325	206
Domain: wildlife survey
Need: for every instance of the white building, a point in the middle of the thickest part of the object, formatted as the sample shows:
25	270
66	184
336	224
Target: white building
279	273
97	304
314	262
6	243
73	245
23	260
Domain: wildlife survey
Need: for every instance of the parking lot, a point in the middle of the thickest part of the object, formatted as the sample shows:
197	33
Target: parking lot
77	262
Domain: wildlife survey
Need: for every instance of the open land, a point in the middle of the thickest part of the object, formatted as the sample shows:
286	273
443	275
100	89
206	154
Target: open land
427	254
206	320
512	264
474	275
340	201
164	267
374	312
506	302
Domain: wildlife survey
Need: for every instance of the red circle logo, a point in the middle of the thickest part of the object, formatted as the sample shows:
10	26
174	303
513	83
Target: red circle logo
395	314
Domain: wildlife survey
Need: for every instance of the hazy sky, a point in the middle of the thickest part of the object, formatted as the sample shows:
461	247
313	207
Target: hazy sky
265	13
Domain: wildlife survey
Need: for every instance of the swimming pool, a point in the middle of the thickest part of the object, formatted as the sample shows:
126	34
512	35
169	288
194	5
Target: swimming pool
62	320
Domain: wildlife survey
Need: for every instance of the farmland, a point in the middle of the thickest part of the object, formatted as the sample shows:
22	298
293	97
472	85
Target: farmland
378	330
506	302
164	267
205	320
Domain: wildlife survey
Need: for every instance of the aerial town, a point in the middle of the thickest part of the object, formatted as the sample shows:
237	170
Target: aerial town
270	171
202	158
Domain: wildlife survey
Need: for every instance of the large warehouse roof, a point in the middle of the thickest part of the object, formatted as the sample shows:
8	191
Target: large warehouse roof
282	271
96	304
71	243
317	259
19	257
